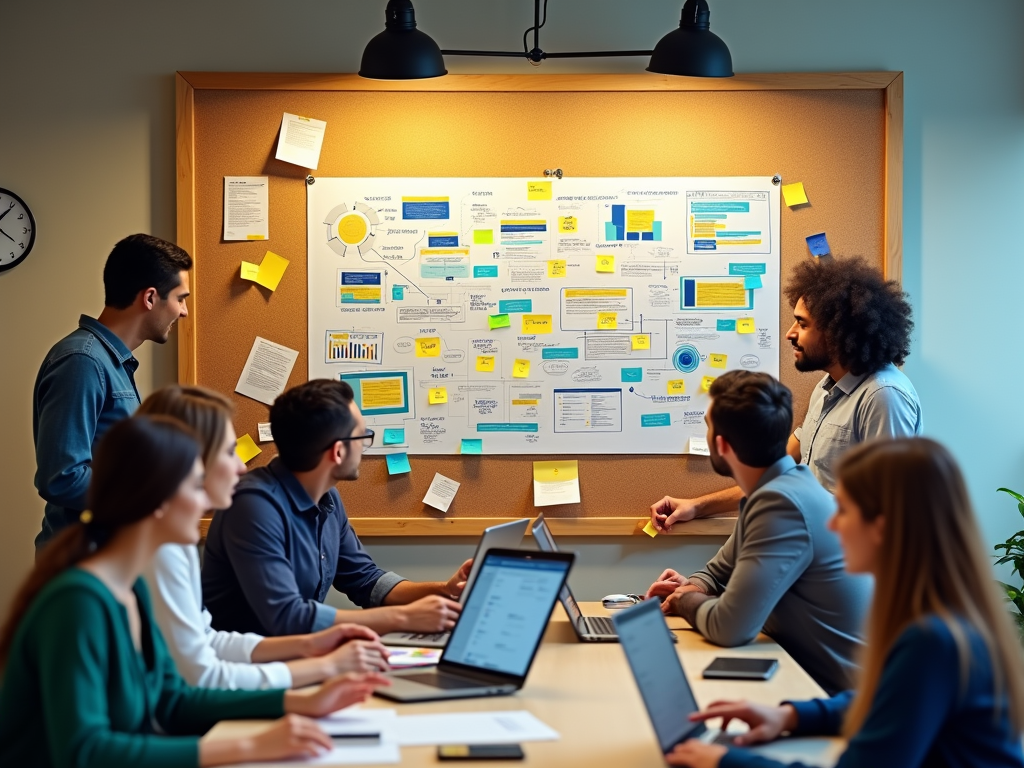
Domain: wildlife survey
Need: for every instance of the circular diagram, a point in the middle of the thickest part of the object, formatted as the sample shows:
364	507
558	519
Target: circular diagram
686	358
354	227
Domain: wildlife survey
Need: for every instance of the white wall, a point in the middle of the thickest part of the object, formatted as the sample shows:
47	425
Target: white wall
86	137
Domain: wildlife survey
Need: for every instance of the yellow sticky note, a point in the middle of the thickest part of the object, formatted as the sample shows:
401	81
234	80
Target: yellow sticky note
650	530
246	448
556	268
568	224
605	263
718	361
521	369
555	471
250	270
537	324
437	396
639	221
485	363
483	237
676	387
428	346
641	340
538	190
794	194
271	270
607	321
745	325
706	382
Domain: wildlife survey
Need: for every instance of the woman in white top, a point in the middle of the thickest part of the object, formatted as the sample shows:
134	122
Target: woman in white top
205	657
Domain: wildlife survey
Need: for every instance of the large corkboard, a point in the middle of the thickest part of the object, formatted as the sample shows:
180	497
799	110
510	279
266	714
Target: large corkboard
841	134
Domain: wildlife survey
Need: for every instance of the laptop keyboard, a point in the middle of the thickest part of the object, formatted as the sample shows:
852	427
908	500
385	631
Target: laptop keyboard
446	682
435	637
600	625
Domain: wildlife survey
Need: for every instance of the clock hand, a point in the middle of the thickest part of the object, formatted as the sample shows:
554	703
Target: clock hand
6	235
6	212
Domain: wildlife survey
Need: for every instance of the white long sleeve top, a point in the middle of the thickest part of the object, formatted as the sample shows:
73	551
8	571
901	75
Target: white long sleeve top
205	657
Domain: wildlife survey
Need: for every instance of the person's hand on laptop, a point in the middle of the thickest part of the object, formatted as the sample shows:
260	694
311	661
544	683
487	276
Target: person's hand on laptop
457	583
670	606
666	584
766	723
696	754
335	693
668	511
430	614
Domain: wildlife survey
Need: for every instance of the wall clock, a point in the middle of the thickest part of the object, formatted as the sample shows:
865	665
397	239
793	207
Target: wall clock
17	230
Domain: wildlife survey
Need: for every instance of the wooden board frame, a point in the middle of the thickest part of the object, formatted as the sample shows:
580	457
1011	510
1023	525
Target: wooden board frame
187	83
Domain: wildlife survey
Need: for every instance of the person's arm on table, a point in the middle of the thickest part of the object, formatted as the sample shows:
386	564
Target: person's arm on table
709	581
669	511
316	656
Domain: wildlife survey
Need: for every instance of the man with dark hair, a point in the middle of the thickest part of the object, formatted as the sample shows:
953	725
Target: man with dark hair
781	571
87	381
271	557
855	326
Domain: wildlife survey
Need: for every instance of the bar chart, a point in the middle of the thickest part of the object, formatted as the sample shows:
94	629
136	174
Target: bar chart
629	223
349	347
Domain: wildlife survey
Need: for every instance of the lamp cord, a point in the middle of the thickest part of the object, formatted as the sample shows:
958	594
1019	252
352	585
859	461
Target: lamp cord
536	27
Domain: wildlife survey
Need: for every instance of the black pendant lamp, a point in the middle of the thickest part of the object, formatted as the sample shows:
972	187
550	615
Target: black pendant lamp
693	49
401	52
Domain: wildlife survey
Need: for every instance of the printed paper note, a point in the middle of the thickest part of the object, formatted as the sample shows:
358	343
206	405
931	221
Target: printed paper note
398	463
246	448
263	430
246	208
266	371
794	194
301	140
441	492
556	482
698	446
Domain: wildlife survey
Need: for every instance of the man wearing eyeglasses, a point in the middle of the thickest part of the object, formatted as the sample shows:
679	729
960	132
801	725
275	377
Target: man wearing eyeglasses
272	557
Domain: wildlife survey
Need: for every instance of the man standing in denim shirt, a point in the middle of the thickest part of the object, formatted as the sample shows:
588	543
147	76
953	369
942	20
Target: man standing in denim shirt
87	381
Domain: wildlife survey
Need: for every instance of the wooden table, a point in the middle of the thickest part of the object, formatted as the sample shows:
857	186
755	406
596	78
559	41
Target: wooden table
586	692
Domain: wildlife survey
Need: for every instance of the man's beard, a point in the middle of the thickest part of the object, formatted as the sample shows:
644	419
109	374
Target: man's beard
720	465
812	360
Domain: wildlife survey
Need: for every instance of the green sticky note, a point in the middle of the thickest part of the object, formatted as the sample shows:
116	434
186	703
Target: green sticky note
398	463
472	446
483	237
499	321
394	436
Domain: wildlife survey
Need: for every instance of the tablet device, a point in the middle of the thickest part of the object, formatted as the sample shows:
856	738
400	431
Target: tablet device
727	668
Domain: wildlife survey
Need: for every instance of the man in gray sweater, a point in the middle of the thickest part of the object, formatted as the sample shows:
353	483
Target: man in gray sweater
781	571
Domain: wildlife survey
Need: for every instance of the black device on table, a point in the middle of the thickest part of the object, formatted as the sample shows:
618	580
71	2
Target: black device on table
731	668
480	752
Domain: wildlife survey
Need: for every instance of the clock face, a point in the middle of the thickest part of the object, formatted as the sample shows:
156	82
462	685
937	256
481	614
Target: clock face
17	230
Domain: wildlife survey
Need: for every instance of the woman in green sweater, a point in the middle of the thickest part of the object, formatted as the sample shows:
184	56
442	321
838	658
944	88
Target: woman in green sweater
87	679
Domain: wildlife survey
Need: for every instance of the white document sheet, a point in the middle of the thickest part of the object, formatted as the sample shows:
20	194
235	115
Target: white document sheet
379	754
441	492
472	728
246	208
266	436
698	446
266	372
301	140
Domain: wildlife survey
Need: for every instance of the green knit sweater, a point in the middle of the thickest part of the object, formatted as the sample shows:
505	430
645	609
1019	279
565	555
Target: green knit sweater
77	693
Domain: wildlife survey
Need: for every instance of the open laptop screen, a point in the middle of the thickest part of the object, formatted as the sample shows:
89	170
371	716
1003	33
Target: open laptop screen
658	673
506	613
546	543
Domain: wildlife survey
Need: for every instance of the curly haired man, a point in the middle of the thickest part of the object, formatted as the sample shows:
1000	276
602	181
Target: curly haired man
855	326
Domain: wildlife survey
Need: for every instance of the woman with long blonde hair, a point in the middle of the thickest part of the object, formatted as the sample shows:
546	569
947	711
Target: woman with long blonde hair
942	680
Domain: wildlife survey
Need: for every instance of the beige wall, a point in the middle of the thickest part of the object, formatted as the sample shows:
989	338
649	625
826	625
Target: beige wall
86	137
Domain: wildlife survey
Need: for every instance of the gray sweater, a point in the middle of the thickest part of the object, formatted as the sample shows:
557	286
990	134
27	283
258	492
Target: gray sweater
782	572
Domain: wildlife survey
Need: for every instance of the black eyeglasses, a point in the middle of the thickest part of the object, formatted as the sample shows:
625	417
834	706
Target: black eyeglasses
367	439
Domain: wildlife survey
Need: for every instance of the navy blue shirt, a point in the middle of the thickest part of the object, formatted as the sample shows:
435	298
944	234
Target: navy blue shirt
85	385
271	558
920	717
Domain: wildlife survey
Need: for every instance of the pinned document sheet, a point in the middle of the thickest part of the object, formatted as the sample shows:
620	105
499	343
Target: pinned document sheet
698	446
263	430
301	140
441	492
266	371
556	482
246	208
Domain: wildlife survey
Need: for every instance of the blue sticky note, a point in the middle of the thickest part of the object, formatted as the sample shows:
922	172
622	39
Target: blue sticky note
753	268
655	420
472	446
632	374
488	270
515	305
751	281
397	292
394	436
560	353
818	244
725	325
398	463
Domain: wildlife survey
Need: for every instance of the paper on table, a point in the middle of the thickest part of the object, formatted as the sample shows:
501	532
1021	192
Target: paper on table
556	482
246	448
246	208
301	140
266	371
441	492
471	728
263	429
376	754
698	446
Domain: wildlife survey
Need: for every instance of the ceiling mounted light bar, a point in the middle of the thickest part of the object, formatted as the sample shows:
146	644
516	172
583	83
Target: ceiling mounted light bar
402	52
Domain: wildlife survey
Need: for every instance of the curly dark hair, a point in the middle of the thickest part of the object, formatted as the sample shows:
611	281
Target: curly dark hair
865	319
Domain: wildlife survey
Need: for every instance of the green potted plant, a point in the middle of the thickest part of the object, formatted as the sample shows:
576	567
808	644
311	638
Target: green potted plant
1013	552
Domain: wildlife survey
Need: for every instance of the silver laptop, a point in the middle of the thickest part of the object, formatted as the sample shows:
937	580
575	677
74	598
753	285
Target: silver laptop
660	677
496	638
589	629
504	536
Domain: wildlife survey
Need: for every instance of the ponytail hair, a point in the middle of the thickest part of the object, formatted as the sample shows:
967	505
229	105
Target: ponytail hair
138	465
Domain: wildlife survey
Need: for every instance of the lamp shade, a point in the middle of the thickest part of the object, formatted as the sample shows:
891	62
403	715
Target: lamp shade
693	49
401	52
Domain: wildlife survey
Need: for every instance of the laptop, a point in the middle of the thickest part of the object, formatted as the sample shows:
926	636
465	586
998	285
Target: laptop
660	677
504	536
589	629
496	638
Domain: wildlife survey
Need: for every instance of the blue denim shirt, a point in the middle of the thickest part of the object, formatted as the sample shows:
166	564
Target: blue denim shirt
272	557
85	385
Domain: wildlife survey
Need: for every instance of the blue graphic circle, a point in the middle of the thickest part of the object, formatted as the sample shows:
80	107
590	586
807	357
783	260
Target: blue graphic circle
686	358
